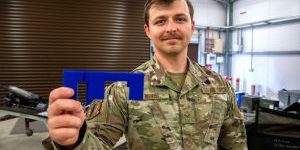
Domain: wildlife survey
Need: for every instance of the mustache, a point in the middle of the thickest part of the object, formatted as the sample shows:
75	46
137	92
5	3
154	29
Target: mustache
173	36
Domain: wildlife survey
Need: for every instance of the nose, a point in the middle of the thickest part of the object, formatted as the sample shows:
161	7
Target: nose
171	27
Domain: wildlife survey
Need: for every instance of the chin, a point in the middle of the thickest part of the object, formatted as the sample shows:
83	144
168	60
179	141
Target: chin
173	52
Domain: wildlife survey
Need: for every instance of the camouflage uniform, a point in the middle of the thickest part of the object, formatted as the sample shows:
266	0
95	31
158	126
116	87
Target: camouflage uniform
202	115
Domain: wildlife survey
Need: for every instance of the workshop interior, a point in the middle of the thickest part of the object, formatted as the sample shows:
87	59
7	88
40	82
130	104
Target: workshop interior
253	44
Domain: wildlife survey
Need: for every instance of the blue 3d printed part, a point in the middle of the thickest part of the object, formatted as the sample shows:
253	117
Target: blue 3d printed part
95	83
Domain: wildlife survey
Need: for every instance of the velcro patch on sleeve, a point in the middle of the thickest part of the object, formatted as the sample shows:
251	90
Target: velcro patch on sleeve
93	110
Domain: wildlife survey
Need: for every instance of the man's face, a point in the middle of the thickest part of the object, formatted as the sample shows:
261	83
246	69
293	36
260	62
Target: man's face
170	27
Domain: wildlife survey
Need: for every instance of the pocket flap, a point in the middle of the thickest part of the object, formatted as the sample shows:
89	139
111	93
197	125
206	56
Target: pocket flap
213	90
156	96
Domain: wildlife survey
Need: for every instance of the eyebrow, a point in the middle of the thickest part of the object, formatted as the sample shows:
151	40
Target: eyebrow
159	17
181	14
177	15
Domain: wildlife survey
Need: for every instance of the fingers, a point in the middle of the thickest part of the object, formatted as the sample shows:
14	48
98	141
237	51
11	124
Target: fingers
62	106
65	116
64	136
65	121
62	92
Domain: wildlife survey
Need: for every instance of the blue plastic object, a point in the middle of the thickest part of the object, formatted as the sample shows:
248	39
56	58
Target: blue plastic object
95	82
238	96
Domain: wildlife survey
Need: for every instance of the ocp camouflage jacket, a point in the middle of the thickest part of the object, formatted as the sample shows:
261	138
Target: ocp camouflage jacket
203	114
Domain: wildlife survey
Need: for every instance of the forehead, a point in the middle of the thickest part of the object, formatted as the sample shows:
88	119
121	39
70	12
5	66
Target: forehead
175	8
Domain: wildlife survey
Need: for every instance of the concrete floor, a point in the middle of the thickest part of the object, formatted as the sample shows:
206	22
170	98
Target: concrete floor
19	141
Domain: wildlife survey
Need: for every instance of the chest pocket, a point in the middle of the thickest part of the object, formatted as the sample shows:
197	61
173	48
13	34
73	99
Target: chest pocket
211	107
151	120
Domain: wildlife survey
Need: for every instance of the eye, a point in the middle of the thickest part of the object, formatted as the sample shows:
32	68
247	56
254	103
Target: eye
181	20
159	22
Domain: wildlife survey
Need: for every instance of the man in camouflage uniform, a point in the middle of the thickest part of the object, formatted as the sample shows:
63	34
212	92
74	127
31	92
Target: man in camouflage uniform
185	106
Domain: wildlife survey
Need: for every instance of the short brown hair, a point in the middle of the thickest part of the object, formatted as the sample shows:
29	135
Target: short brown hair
150	3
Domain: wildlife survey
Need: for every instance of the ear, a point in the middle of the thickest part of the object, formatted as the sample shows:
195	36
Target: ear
147	30
193	25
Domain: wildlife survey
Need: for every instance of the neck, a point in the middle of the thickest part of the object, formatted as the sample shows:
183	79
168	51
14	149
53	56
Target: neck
174	64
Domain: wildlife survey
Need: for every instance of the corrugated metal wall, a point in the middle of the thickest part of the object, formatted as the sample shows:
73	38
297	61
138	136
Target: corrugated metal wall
41	38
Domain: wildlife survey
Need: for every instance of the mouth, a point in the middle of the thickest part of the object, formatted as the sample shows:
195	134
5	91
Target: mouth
170	38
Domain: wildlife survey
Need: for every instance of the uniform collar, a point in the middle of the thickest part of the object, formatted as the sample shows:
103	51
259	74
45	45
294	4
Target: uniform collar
193	78
158	75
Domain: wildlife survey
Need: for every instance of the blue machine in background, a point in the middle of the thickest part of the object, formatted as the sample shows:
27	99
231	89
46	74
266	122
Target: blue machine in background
95	83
